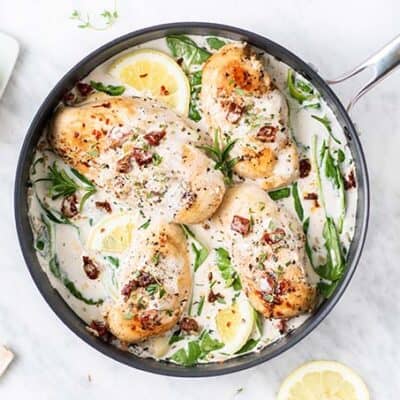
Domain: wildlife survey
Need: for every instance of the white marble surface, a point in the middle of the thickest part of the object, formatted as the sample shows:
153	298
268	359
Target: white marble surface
364	328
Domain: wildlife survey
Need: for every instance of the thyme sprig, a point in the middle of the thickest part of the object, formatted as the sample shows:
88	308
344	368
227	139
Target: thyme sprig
220	153
63	185
109	18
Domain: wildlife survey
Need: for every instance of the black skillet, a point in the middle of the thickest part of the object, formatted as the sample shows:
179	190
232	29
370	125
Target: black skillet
386	61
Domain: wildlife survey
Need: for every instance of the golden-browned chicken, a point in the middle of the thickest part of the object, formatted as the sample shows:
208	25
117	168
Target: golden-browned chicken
239	99
143	153
268	250
155	286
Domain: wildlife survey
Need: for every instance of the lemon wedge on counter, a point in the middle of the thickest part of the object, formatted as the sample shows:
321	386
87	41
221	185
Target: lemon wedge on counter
235	325
154	74
113	234
323	380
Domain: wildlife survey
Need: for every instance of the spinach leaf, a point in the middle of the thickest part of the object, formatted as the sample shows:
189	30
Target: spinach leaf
208	344
279	194
200	306
228	273
333	173
327	288
248	346
259	318
215	43
113	261
200	251
195	88
55	269
185	48
109	89
306	225
297	202
334	267
196	349
176	337
300	90
327	124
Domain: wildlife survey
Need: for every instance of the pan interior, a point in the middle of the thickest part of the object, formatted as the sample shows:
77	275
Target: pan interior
80	71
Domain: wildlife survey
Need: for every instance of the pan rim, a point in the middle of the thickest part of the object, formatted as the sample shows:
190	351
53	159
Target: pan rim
72	321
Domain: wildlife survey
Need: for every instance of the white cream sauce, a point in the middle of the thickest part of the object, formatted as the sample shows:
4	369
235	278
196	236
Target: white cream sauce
70	242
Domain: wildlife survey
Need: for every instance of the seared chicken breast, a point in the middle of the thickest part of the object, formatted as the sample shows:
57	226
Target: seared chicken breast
268	250
155	286
142	152
239	99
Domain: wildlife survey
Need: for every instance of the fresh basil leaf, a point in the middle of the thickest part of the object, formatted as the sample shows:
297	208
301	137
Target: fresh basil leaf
228	273
109	89
180	357
248	346
279	194
215	43
297	202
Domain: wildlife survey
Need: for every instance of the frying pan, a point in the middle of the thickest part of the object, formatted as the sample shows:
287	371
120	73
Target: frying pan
381	63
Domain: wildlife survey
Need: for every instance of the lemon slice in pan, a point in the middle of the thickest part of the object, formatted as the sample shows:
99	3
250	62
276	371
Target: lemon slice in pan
113	234
154	74
235	325
323	380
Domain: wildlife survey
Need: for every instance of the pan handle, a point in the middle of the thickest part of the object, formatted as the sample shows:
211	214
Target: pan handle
382	63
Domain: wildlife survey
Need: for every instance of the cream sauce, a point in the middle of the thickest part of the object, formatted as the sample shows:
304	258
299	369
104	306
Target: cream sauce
69	242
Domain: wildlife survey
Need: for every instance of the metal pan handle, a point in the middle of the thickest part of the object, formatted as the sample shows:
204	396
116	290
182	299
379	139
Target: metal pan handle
382	63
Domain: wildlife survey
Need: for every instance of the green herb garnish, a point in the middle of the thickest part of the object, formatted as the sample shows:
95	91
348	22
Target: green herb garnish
327	124
196	349
157	159
299	89
306	225
333	173
109	18
215	43
220	154
55	269
297	202
279	194
200	306
109	89
145	225
182	47
228	273
335	265
195	88
113	261
200	251
248	346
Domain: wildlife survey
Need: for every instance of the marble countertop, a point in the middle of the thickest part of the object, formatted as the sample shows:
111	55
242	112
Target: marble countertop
363	329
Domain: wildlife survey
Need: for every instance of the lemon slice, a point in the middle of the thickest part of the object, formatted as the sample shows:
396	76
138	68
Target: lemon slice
235	325
323	380
154	74
113	234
